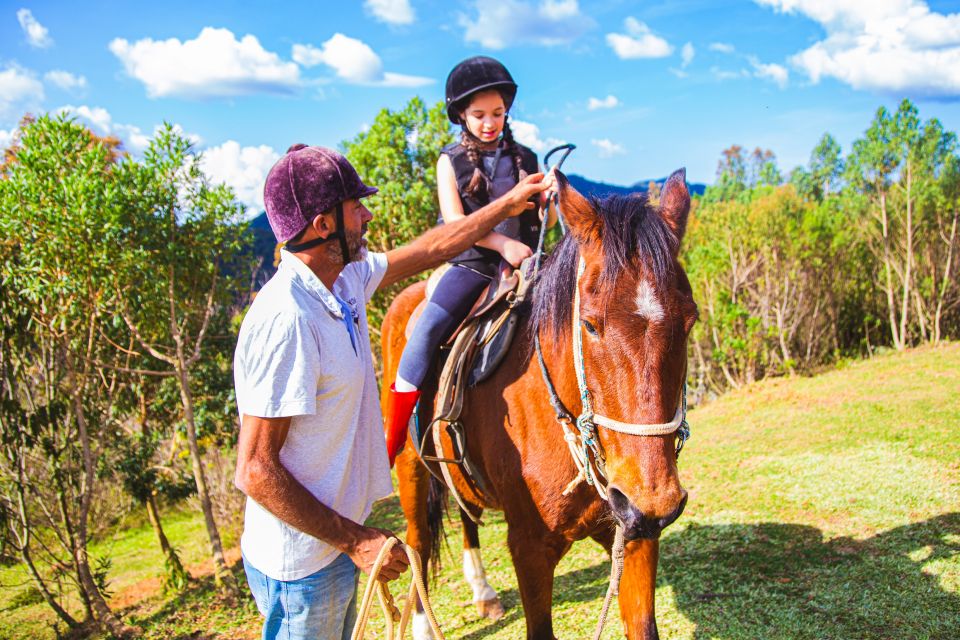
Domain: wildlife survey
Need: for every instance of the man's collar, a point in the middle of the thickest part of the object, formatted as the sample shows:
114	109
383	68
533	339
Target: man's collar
311	283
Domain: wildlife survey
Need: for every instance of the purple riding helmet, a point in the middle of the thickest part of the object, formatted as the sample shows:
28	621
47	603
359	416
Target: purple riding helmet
304	183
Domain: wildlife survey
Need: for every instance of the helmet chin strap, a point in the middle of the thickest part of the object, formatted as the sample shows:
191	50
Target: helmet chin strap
340	234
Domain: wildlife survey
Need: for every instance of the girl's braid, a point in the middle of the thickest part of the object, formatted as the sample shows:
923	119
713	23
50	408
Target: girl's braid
513	150
477	187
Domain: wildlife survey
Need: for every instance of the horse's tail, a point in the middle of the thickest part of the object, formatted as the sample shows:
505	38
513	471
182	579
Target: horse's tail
436	509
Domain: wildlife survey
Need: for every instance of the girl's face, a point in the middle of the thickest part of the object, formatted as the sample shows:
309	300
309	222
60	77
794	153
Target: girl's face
485	115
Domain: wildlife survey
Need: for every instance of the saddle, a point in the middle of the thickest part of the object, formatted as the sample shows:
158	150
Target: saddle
470	356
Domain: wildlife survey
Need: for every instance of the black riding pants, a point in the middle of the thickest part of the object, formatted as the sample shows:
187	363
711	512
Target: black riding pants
450	303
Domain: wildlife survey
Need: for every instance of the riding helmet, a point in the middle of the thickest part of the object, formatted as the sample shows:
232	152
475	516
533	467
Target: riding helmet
477	74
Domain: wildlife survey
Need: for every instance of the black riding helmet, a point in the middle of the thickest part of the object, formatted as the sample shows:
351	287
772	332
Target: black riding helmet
477	74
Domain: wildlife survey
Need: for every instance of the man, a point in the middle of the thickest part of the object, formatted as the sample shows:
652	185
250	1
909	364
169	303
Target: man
311	455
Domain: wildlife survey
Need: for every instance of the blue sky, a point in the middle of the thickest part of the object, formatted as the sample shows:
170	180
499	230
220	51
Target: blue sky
641	87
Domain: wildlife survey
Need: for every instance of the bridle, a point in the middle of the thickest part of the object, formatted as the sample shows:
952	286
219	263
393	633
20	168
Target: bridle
584	443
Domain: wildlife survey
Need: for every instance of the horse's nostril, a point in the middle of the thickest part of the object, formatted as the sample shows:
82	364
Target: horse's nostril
670	519
623	509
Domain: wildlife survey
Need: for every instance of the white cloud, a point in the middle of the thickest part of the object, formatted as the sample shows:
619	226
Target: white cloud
891	46
134	139
528	134
721	47
609	102
37	34
724	74
354	61
213	65
549	23
242	168
638	42
390	11
608	148
20	91
6	138
773	72
686	55
66	81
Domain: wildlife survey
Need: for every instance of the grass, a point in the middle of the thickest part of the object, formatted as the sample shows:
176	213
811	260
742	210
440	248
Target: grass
824	507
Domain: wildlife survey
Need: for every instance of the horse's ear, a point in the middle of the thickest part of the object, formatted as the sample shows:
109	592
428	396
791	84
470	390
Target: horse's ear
675	203
578	214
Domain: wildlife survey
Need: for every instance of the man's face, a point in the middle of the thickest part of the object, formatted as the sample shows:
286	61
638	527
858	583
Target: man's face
355	219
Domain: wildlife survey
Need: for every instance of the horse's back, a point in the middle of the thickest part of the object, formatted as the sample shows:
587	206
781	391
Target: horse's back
392	336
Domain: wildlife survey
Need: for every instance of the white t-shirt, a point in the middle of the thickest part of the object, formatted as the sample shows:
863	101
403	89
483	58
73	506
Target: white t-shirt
295	358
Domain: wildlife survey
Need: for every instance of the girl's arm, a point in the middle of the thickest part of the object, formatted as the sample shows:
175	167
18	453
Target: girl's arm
451	208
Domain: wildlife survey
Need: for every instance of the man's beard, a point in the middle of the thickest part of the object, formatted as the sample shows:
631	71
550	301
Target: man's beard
358	249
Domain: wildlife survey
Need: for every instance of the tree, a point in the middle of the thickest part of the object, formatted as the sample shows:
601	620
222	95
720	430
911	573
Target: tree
59	213
175	276
899	173
398	154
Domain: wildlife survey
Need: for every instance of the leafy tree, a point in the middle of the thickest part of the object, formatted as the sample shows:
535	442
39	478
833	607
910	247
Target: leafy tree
59	217
398	154
175	277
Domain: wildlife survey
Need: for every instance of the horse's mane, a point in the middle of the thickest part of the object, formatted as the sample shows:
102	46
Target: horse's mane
630	228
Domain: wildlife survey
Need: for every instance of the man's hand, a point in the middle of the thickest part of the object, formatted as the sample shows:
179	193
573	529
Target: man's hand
533	185
364	554
444	242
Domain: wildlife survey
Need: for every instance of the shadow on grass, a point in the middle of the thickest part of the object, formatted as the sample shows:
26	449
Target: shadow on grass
779	580
582	585
200	613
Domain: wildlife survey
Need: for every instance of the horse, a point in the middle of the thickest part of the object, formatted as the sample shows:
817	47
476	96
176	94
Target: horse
636	310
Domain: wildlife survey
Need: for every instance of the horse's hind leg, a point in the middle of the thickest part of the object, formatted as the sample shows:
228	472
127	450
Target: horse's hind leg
535	557
484	596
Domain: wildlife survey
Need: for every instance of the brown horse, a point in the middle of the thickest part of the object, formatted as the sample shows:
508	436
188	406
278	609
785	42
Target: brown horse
636	311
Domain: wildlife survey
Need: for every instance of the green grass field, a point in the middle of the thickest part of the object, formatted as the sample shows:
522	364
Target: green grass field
824	507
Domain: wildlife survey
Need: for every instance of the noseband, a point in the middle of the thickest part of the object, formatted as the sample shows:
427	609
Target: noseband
585	442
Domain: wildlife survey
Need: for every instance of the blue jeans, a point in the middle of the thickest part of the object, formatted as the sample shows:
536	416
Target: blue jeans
321	606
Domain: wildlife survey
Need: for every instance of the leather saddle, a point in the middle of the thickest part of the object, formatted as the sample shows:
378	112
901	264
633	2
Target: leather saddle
470	356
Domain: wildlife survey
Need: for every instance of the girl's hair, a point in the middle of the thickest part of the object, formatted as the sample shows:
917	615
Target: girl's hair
479	185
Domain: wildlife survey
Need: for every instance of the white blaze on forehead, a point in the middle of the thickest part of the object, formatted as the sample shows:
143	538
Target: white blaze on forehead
648	305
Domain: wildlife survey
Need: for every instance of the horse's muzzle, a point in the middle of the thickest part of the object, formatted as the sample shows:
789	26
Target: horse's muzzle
635	524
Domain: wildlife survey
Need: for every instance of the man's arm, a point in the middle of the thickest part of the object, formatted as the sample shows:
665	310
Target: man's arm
262	477
446	241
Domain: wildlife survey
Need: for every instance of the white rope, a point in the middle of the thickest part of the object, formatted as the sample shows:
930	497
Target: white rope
616	571
390	611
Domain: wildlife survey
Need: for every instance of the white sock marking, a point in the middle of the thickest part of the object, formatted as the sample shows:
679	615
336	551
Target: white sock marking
476	576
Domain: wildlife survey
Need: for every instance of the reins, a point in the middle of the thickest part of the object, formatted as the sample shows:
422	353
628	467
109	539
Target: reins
584	444
387	604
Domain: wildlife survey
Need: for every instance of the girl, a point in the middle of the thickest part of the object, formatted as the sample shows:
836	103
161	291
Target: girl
484	165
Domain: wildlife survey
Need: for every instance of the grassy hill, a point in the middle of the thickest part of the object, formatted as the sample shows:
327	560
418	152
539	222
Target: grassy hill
824	507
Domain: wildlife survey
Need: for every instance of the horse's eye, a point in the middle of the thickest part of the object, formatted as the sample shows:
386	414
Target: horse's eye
592	330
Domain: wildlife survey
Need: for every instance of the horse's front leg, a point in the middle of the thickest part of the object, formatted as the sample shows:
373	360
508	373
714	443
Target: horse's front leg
638	588
413	483
484	596
535	557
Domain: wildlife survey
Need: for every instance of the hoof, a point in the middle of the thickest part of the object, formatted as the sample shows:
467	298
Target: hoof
491	609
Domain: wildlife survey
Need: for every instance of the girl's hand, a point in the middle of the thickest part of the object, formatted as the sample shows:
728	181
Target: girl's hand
551	180
515	252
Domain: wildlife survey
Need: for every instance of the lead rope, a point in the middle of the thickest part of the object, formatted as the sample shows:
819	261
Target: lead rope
390	611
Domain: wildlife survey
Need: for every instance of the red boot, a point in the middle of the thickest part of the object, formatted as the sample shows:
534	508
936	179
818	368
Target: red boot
396	416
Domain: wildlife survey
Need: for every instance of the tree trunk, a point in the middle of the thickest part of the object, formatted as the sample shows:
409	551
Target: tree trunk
945	281
177	577
222	575
908	267
898	342
107	618
24	544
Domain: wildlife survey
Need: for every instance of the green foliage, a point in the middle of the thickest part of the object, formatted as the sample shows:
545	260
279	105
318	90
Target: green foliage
853	254
398	154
